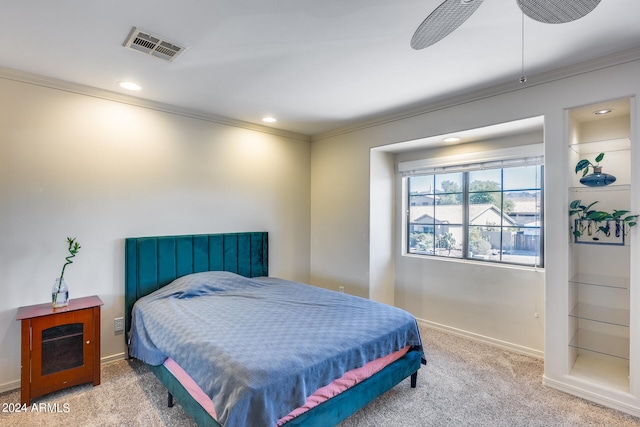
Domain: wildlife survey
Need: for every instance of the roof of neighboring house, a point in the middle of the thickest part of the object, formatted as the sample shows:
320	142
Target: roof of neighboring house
527	206
452	214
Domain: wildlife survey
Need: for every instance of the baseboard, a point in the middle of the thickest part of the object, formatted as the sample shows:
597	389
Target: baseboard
13	385
113	358
591	396
10	386
484	339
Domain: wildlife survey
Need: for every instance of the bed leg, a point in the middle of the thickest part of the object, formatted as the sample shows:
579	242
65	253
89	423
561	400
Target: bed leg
169	400
414	379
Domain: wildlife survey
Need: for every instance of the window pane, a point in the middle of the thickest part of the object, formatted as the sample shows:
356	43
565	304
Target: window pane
524	245
449	199
449	183
493	198
485	180
421	225
448	242
479	244
523	207
522	178
486	214
421	184
485	189
484	243
446	215
421	242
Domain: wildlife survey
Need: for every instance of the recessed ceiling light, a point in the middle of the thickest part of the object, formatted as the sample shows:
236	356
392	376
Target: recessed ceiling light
451	139
603	111
129	85
269	119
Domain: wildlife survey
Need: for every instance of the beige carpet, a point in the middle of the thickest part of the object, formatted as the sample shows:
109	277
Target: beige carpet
465	384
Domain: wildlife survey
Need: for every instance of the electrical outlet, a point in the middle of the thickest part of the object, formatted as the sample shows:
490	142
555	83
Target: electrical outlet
118	324
341	289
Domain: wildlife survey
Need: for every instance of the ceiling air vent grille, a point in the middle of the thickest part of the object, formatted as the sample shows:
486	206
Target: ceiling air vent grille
153	45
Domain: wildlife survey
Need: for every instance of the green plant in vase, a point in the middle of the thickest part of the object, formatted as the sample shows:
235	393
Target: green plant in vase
597	178
60	293
600	221
584	164
629	220
582	211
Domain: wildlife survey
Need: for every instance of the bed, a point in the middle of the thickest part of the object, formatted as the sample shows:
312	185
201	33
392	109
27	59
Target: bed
159	268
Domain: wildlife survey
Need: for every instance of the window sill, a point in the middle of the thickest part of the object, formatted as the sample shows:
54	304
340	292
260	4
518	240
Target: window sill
474	262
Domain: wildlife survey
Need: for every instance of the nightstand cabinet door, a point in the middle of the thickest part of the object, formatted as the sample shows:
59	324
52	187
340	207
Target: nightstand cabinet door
62	351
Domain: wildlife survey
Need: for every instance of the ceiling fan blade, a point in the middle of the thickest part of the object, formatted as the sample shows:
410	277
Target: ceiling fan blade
557	11
442	21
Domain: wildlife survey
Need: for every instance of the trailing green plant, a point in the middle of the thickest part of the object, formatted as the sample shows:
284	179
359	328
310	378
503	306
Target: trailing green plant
584	164
601	219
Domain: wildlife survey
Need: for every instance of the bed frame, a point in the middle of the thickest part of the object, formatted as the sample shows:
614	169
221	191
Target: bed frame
153	262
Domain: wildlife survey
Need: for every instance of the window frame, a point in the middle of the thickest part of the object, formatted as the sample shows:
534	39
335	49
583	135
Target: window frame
466	226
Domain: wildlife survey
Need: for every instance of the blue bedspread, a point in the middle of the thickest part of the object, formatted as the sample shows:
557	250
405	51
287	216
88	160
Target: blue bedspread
259	347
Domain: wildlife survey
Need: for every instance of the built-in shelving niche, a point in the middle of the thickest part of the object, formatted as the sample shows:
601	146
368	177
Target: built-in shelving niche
599	285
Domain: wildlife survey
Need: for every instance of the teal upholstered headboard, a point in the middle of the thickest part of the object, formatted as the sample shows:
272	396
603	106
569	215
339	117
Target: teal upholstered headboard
153	262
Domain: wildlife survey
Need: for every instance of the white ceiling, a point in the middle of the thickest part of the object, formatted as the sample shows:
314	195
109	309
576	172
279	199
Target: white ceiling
315	65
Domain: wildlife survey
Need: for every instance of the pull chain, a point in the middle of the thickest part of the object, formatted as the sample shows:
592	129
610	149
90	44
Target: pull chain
523	78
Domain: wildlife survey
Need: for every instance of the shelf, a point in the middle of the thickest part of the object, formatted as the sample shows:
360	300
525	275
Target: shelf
613	316
601	343
611	187
606	371
600	280
609	145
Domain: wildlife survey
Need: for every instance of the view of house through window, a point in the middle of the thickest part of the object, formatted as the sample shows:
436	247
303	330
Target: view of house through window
485	214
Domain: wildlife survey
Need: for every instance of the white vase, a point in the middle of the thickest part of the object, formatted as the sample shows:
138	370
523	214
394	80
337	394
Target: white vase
60	294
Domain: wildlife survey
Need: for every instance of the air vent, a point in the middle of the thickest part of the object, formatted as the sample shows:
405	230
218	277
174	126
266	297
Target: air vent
153	45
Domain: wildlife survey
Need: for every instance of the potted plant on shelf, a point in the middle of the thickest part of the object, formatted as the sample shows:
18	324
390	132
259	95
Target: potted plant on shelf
597	178
60	291
594	221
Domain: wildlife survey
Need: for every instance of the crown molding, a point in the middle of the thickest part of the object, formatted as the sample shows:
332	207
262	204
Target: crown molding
614	59
617	58
80	89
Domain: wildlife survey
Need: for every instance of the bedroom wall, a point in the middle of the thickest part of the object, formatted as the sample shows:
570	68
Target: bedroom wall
100	170
489	303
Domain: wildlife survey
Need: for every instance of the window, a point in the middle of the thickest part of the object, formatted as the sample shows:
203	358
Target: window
482	213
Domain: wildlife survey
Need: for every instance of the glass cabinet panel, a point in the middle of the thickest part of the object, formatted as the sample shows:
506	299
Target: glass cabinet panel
62	348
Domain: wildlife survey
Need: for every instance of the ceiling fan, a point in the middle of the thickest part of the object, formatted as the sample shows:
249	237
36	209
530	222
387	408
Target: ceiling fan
453	13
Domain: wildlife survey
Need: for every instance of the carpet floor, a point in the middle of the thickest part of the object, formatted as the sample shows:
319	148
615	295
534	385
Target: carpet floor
465	383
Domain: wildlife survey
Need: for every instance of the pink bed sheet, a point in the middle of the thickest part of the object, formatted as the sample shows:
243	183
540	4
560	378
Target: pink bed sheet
323	394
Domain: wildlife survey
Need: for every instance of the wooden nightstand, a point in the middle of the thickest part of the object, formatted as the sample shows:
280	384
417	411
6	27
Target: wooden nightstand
60	347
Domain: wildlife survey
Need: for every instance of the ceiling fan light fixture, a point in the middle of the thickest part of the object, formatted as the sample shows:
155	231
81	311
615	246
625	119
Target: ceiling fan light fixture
558	11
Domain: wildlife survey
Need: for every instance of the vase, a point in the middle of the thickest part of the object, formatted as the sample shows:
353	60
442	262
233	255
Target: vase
597	178
60	293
